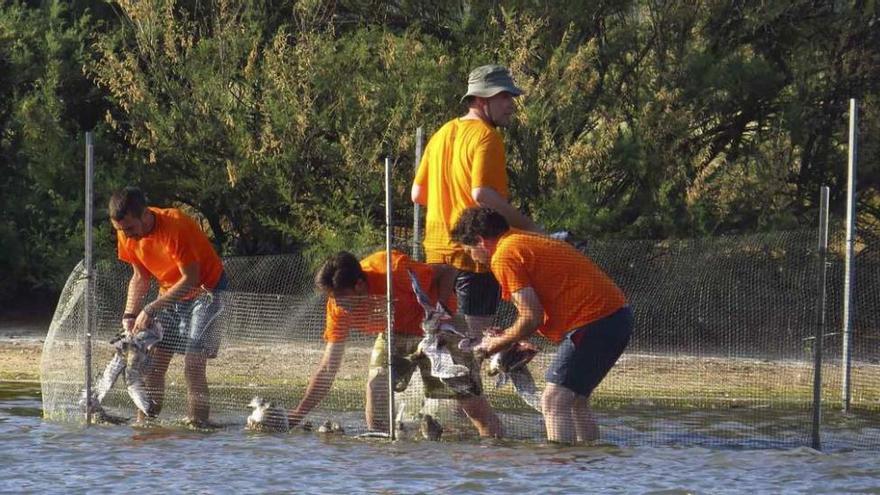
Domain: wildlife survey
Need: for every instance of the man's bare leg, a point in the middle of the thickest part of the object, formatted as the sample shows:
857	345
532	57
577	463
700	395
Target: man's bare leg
558	403
481	413
482	416
155	380
198	397
376	410
586	428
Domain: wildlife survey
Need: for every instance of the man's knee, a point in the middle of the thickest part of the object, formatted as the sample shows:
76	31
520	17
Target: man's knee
195	364
377	379
159	361
480	412
557	398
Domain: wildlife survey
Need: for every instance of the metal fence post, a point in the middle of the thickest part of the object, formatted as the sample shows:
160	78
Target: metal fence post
417	208
389	294
849	262
820	317
87	309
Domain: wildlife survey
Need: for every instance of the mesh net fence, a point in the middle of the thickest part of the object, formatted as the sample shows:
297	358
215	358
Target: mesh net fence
722	351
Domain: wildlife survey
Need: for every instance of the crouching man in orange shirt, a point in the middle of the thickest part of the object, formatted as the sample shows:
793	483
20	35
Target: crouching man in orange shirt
356	300
560	293
169	246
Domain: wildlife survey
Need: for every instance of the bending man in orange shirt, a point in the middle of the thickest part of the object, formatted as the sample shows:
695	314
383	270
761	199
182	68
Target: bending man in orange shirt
356	300
167	245
564	296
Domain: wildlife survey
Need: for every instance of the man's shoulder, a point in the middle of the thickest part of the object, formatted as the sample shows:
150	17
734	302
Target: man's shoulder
175	219
478	128
376	262
174	214
470	127
516	239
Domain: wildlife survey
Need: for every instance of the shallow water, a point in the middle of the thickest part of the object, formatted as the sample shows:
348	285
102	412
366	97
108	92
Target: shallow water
45	457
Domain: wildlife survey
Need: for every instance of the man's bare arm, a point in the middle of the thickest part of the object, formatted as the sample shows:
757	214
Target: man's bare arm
419	194
138	286
321	381
489	198
530	315
189	279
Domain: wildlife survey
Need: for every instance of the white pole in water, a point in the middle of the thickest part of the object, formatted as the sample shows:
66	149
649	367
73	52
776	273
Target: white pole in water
389	294
849	262
417	208
820	317
87	309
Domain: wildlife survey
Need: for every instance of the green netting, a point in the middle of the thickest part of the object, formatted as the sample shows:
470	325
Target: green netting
722	352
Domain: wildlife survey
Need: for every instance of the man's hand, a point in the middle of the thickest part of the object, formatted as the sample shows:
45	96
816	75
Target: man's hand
142	322
128	323
294	417
489	345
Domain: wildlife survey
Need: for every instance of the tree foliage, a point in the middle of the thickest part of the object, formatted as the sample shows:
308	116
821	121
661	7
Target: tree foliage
271	119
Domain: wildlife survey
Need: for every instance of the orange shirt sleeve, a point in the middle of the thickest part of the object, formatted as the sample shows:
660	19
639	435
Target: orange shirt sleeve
511	274
488	164
336	327
122	250
124	253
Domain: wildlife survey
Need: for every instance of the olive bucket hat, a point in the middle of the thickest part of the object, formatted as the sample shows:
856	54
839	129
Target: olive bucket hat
488	80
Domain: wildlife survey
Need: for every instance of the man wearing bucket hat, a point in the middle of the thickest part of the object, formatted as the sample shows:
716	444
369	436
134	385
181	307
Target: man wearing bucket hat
464	166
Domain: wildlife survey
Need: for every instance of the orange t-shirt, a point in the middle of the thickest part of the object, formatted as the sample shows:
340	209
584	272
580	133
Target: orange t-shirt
175	241
461	156
368	314
571	288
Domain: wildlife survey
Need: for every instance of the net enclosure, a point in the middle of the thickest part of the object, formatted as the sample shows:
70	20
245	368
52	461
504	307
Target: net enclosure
722	351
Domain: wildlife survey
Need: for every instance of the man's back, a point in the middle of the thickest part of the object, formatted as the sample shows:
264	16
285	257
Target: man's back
175	240
571	288
369	314
461	156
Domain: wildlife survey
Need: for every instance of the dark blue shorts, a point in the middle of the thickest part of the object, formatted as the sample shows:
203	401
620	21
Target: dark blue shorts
478	293
191	326
586	354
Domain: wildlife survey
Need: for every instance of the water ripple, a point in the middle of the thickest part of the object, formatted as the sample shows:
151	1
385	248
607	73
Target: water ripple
52	458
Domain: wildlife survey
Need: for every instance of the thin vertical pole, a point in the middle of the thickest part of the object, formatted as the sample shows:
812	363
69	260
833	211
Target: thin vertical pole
389	295
87	309
820	317
849	262
417	208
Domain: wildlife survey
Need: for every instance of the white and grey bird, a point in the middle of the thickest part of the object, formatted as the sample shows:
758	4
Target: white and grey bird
331	427
511	365
267	416
439	332
131	359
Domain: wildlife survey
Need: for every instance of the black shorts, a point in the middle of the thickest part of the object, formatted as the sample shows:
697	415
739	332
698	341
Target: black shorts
586	354
478	293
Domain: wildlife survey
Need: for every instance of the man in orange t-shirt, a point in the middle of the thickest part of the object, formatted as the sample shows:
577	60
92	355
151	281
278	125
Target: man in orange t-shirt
356	300
463	166
167	245
560	293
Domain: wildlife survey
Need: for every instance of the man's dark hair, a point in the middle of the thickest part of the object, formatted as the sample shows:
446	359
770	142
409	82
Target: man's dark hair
340	272
127	201
478	221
